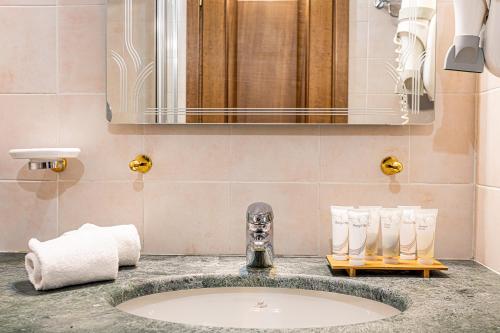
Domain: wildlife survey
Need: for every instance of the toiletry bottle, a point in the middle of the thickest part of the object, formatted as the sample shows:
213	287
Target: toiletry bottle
358	225
340	232
426	220
408	233
390	221
373	232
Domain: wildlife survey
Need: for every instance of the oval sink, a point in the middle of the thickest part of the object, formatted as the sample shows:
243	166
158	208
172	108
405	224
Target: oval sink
258	308
256	301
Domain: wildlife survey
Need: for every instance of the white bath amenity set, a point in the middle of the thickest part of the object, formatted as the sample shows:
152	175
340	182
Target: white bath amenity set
406	233
88	254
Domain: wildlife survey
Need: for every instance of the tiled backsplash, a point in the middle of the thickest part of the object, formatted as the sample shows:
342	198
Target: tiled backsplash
488	175
194	199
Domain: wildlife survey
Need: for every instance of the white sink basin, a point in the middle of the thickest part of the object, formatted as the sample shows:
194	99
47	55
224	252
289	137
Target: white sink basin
258	308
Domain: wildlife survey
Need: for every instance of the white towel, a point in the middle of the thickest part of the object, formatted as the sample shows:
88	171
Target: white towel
73	258
127	241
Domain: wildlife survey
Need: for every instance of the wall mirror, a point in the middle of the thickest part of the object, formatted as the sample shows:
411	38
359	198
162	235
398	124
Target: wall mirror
271	61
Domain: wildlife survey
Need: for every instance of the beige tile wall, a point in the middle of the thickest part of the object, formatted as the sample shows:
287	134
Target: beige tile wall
194	200
487	247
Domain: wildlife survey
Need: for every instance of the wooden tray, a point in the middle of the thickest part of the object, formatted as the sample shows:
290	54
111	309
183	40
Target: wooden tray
404	265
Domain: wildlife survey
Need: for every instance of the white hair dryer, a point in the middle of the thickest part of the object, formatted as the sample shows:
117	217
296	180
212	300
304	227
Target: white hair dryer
466	55
416	37
473	17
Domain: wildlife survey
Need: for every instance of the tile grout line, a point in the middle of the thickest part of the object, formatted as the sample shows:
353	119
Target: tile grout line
366	90
59	123
231	140
312	182
474	190
318	193
143	192
52	5
58	228
55	94
230	152
410	155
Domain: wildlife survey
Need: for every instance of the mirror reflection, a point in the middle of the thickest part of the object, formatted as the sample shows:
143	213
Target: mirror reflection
271	61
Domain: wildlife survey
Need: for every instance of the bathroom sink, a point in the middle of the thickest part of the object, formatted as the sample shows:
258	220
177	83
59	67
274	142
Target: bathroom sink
260	303
258	308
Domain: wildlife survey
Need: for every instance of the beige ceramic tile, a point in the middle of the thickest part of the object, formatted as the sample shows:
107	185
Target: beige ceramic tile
27	2
30	121
449	81
357	101
28	57
178	217
358	10
381	37
455	202
106	149
353	154
488	139
374	13
295	208
487	81
274	153
454	235
28	210
103	204
80	2
357	76
189	218
379	80
188	153
384	101
358	32
488	227
444	152
81	45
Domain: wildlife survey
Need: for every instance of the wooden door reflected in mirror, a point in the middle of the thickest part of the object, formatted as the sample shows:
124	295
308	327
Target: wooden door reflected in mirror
268	54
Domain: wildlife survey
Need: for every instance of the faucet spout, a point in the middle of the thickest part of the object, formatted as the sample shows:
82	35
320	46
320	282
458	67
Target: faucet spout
260	252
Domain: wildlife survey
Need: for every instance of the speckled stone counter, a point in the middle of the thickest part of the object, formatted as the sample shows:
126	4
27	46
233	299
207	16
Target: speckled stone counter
464	299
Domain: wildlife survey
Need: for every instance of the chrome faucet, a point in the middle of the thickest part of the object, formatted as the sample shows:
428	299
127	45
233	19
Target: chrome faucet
260	253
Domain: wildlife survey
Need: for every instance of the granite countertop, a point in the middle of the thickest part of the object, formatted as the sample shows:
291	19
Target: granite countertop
464	299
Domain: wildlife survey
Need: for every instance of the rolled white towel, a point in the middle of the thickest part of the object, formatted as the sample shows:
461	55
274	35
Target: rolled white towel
127	241
73	258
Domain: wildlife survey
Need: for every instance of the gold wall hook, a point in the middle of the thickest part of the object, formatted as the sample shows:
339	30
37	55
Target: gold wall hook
141	163
391	166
